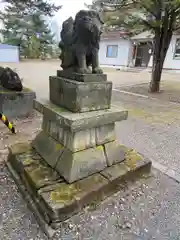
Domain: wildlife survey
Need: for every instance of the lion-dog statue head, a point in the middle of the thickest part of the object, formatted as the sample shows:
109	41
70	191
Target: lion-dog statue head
80	40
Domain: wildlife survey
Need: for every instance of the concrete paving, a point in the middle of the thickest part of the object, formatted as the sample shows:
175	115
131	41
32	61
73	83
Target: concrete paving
35	75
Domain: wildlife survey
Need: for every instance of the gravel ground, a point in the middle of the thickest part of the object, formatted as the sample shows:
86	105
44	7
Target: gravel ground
152	128
26	129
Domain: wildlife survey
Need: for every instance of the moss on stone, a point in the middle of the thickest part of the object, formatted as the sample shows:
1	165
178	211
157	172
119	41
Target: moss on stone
58	146
55	108
6	91
19	148
64	193
28	161
132	158
40	175
100	147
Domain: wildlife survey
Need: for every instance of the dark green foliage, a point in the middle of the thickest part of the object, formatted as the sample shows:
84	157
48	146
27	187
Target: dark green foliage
31	6
25	26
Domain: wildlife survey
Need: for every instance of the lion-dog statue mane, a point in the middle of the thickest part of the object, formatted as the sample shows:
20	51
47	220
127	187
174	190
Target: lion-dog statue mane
80	42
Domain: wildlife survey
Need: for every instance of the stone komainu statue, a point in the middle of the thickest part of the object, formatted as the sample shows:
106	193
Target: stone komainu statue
80	42
10	80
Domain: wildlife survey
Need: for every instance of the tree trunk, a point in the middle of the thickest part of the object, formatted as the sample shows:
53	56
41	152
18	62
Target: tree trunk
156	77
159	55
162	39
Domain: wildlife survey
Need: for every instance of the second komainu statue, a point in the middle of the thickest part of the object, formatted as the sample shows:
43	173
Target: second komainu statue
80	42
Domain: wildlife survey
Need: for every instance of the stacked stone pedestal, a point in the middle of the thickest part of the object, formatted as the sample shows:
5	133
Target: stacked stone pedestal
75	159
78	145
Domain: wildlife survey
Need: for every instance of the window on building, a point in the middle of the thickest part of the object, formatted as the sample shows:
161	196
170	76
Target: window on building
112	51
177	49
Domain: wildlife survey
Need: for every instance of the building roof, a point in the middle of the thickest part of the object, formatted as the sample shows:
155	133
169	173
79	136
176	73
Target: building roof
113	35
7	46
143	35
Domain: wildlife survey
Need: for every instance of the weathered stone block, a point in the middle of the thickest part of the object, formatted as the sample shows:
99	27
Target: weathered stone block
48	148
40	176
22	155
74	141
63	200
116	172
136	161
80	96
77	122
19	148
105	133
16	104
74	166
114	153
78	141
82	77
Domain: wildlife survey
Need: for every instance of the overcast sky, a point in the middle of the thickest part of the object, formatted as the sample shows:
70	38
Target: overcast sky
70	8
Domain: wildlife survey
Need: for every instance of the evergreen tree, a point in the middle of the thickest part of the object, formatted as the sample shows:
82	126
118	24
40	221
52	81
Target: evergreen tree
42	34
24	25
32	6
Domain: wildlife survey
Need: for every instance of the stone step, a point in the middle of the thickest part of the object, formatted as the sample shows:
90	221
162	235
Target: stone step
54	200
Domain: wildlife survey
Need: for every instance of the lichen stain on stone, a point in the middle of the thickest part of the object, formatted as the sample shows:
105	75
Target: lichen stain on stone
27	161
58	147
25	90
56	109
131	159
64	193
41	176
39	173
100	148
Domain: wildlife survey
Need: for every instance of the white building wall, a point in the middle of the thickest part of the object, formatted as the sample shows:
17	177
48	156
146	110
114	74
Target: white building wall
9	55
170	62
123	56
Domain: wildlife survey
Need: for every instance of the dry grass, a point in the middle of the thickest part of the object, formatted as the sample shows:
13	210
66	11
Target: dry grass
170	91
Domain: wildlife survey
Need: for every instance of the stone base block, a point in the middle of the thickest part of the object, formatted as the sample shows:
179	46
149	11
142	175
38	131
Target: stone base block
114	153
80	140
73	166
79	121
48	148
16	104
80	96
76	166
82	77
52	199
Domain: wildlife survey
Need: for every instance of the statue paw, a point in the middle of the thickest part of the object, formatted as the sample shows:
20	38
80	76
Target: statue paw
83	70
97	70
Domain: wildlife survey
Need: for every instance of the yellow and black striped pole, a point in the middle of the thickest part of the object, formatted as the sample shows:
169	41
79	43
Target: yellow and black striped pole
4	119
